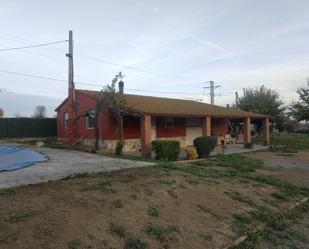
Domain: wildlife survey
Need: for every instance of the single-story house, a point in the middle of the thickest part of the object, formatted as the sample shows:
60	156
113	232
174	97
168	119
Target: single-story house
149	118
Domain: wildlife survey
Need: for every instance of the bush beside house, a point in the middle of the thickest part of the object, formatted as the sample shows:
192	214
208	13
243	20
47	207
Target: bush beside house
204	145
167	150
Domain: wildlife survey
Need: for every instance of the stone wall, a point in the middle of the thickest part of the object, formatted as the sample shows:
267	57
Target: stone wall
130	145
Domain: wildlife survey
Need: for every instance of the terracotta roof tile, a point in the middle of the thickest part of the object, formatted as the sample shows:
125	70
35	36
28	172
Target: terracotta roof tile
177	107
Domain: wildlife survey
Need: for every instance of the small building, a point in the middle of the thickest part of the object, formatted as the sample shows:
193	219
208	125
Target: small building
148	118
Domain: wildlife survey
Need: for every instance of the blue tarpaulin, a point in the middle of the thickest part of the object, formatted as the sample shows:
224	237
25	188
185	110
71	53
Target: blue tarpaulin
14	158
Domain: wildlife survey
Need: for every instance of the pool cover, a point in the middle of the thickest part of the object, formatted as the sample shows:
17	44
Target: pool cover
14	158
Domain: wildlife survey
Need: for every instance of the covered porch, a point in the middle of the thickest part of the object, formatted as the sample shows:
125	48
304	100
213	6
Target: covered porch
192	127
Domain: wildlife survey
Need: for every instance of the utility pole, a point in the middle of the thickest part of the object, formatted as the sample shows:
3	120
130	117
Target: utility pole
212	88
71	92
212	92
70	64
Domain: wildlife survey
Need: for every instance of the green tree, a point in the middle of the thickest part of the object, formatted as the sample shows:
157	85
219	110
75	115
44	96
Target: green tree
109	99
263	100
300	109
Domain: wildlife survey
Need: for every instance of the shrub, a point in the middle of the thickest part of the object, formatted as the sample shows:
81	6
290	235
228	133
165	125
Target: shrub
119	148
248	145
118	230
134	244
304	131
204	145
191	152
166	150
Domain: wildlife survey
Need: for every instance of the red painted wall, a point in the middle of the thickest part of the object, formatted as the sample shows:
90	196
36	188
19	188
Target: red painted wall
108	122
62	132
131	127
179	129
84	104
219	126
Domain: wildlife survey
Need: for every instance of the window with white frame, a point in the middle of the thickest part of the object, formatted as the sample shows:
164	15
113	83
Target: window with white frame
169	122
66	120
90	120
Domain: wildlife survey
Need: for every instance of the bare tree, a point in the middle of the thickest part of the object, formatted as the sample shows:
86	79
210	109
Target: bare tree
109	99
1	112
39	112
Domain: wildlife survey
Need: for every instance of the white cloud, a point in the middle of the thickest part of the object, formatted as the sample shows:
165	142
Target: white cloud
156	10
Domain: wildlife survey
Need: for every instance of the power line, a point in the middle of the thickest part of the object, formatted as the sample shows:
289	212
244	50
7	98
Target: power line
20	39
33	46
126	66
31	75
87	84
44	77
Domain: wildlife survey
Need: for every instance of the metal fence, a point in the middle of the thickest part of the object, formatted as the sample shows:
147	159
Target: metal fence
28	127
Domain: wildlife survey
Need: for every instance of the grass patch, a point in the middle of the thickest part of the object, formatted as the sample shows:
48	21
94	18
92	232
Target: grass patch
274	225
287	190
285	154
280	196
238	197
134	244
77	244
238	162
244	218
289	143
153	212
118	230
156	231
127	178
172	193
7	192
104	184
18	216
235	165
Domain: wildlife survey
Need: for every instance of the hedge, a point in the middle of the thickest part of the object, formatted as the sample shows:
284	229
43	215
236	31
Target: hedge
204	145
166	150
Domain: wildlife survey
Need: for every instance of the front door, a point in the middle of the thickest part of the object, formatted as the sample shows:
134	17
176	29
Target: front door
192	133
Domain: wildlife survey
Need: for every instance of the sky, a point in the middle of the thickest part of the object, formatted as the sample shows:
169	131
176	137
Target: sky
164	48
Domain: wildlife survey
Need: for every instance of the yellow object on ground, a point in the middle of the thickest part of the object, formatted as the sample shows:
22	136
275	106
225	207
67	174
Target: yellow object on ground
191	152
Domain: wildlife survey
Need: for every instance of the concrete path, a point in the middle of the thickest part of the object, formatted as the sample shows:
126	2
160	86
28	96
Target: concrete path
230	149
64	163
237	148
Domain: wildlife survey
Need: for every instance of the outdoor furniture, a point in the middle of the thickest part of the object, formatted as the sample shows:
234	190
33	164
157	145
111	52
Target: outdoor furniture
225	139
228	139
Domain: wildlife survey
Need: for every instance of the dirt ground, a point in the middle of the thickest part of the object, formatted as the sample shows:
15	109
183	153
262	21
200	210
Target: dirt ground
290	167
150	207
